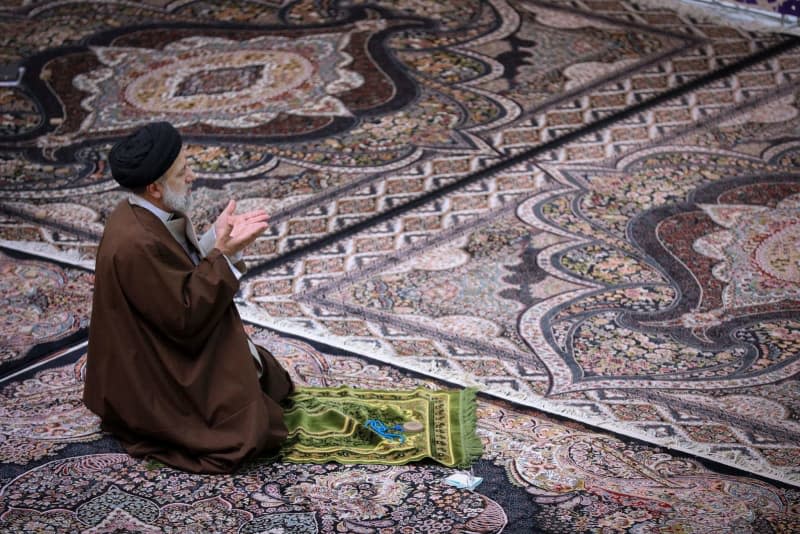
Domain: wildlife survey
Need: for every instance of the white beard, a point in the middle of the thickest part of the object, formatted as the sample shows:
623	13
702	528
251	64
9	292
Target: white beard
179	201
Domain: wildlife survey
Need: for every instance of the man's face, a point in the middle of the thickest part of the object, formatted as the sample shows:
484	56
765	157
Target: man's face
176	189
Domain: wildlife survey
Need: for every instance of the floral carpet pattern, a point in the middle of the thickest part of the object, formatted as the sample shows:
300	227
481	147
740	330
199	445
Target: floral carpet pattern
324	117
541	475
584	208
44	306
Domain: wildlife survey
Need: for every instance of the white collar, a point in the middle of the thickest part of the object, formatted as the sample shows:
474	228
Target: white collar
136	200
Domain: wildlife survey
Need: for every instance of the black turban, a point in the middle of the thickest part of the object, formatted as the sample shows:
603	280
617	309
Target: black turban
145	155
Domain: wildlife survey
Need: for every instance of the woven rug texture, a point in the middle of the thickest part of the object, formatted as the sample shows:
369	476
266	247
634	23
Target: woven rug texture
589	210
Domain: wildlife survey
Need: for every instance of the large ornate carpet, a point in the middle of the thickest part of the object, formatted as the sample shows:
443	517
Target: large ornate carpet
61	474
587	209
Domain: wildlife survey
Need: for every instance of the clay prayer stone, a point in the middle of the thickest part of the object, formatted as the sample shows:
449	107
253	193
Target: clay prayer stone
412	426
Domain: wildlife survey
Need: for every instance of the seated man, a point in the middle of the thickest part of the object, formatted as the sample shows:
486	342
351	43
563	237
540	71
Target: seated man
170	370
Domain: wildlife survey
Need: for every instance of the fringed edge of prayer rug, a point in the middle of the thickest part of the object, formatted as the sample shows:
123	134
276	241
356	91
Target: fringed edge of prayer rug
330	425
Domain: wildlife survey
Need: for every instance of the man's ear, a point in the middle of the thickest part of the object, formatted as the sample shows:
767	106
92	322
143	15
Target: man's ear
153	190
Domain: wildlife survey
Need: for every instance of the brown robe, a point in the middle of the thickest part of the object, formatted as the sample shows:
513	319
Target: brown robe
169	370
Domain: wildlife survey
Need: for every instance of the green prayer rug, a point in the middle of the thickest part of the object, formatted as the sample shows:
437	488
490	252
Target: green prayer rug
331	425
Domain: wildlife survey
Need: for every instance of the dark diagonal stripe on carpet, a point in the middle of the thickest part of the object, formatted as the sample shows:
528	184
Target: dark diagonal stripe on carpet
592	127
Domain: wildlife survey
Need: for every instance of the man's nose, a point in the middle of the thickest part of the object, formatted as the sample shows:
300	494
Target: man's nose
190	175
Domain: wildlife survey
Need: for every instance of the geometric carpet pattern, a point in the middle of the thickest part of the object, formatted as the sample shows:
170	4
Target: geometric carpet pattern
564	282
587	209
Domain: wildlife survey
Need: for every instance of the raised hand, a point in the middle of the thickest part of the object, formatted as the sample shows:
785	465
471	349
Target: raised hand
235	231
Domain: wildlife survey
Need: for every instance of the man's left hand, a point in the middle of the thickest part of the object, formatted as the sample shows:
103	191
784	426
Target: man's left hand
241	225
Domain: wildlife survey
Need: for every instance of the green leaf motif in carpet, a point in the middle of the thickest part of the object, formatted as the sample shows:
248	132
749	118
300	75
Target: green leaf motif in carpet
328	425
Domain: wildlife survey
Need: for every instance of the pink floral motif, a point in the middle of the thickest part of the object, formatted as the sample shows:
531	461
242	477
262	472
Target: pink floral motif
759	254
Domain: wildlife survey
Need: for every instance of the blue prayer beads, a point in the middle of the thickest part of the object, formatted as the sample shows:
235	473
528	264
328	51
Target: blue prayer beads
383	431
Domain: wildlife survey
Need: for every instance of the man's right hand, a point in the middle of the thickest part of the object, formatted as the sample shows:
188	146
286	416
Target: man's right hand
234	232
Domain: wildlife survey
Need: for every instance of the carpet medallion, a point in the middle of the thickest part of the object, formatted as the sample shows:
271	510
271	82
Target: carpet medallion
724	271
325	118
